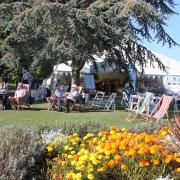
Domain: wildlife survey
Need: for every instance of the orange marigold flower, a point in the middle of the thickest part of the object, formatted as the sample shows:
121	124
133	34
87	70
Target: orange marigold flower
168	159
117	158
155	162
54	176
143	162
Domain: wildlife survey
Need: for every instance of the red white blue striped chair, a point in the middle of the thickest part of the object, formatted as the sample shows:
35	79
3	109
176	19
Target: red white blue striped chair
160	109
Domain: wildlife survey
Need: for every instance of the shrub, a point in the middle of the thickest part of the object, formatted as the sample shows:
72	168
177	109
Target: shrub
149	126
21	156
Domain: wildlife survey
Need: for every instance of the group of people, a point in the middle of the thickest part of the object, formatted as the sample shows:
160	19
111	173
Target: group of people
59	97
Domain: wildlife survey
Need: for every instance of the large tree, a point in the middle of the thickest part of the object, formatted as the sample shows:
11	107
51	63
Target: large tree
41	33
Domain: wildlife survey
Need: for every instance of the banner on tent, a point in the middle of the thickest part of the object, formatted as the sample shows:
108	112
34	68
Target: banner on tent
89	81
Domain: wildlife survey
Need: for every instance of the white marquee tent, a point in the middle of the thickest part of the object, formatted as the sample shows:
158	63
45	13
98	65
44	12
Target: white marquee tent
173	66
171	78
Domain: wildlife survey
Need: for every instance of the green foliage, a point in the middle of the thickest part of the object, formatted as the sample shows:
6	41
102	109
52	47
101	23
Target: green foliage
47	32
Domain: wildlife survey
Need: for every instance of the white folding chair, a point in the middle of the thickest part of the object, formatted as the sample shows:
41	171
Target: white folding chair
41	93
98	99
111	102
124	101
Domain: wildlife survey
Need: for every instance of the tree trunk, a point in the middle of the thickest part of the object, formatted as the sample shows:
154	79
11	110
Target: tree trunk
75	77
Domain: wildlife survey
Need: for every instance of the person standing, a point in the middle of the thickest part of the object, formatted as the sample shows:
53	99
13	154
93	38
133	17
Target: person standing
25	77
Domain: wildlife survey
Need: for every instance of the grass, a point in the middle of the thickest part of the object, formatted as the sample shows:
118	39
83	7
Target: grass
38	115
11	85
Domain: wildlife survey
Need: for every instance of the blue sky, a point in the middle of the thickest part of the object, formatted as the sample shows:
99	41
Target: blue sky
173	29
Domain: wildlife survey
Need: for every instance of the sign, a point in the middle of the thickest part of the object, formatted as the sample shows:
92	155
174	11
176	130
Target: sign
89	82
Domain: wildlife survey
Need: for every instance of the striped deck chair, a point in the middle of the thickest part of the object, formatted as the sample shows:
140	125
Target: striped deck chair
144	107
160	109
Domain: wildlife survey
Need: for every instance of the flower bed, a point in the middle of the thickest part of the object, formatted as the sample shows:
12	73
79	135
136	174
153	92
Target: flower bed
113	154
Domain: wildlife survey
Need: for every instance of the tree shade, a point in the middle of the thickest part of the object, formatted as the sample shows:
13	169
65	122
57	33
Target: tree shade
39	34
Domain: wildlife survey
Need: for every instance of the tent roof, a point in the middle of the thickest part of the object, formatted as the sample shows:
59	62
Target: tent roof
173	66
67	68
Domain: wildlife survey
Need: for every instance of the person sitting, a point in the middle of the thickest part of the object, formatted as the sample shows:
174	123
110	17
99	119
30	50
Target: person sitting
57	97
71	97
19	97
1	85
127	89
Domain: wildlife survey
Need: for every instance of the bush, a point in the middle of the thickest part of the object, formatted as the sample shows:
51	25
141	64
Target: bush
21	156
149	126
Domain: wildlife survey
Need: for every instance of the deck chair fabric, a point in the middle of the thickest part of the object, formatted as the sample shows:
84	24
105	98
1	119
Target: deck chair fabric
110	102
98	99
143	106
161	108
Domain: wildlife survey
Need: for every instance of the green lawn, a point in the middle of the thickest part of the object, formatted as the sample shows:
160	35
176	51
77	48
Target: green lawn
38	115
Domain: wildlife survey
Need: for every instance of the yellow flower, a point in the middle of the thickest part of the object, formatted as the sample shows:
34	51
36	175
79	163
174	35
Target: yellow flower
70	156
168	159
163	132
50	148
123	166
100	157
70	176
75	134
178	169
107	153
78	176
177	159
155	162
102	169
55	159
66	148
123	129
165	141
73	152
90	135
153	149
90	176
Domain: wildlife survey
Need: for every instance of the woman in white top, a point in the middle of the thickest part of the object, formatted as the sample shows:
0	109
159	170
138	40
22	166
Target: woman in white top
19	96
